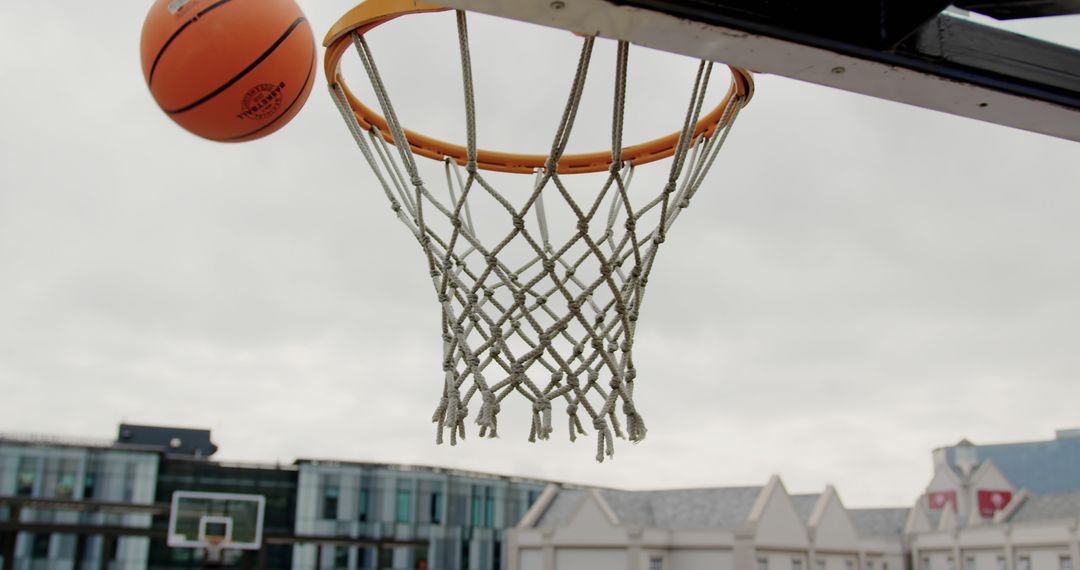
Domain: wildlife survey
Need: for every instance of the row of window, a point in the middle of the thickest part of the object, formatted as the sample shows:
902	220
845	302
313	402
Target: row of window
819	564
64	481
1022	563
481	513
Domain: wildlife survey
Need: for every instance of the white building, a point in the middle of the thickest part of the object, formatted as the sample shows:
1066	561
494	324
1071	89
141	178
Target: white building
972	517
732	528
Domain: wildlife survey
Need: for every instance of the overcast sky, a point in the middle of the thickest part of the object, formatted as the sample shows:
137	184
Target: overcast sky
864	281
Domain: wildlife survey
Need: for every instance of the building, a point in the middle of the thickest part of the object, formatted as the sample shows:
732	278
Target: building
1013	506
104	505
102	484
458	518
726	528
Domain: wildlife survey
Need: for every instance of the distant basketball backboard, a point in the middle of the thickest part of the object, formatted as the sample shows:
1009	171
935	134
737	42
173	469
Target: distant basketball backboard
920	52
216	520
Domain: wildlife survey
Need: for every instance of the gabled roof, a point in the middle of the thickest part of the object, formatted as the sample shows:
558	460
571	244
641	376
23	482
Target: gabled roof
716	508
804	505
1048	508
879	523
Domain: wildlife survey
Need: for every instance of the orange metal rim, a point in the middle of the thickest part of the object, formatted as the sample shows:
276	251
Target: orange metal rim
373	13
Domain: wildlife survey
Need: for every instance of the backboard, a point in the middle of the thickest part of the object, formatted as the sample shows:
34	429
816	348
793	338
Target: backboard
221	520
920	52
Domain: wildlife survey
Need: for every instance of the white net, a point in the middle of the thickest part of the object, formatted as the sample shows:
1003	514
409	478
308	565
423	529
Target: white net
540	286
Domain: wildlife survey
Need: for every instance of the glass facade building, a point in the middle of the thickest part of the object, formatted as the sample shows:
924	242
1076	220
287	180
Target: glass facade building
461	517
67	505
76	471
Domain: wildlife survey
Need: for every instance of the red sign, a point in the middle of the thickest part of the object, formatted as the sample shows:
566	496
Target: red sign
991	502
939	499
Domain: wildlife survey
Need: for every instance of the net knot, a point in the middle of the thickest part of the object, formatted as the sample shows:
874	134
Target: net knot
635	426
456	222
583	226
631	225
541	419
519	223
556	377
573	382
488	418
472	298
549	265
450	413
575	422
605	443
444	298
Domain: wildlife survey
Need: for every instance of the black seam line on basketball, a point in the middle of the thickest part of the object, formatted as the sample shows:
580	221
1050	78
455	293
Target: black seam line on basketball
311	70
246	70
157	58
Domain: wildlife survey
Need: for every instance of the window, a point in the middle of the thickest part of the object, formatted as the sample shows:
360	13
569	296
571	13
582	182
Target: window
477	509
869	565
65	486
24	479
849	565
762	564
436	507
1066	563
969	563
926	563
341	557
819	564
363	507
796	564
1024	563
403	509
1001	563
330	499
489	509
950	563
656	563
90	481
39	548
129	482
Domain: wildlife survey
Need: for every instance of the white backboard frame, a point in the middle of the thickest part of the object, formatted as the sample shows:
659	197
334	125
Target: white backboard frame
179	541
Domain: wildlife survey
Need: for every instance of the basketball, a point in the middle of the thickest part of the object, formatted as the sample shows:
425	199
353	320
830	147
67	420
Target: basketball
228	70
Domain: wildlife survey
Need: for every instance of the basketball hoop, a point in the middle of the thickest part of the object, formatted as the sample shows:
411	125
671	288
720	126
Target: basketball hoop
558	322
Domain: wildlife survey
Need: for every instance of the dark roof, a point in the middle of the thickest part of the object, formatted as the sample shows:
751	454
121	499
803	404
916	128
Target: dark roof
170	440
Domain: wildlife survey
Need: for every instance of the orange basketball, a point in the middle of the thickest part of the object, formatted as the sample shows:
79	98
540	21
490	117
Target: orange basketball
228	70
